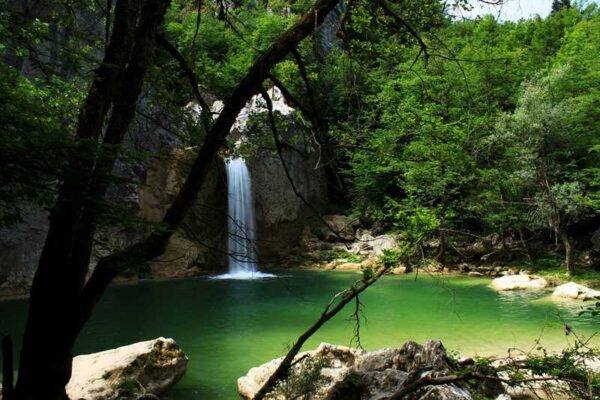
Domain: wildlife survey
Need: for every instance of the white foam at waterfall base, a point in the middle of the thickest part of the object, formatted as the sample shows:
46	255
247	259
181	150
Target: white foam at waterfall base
241	226
244	276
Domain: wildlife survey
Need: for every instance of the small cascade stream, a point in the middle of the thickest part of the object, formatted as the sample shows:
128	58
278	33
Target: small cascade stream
241	226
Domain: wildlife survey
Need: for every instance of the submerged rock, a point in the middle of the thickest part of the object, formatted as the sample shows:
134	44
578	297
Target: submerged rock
337	372
128	372
575	291
516	282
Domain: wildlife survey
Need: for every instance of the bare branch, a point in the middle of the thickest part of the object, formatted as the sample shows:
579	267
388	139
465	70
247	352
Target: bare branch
191	76
400	21
331	310
357	314
429	380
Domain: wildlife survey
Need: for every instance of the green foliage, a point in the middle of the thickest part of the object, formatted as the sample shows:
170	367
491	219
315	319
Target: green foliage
224	50
35	119
330	255
460	141
390	258
571	376
546	154
464	141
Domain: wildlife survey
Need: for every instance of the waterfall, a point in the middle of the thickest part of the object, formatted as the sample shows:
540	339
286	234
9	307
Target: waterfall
241	225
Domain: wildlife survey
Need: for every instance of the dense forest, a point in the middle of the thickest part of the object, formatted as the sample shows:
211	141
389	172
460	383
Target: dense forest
470	144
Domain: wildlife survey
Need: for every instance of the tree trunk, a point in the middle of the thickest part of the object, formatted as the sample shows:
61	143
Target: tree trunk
52	324
7	368
439	257
568	252
526	248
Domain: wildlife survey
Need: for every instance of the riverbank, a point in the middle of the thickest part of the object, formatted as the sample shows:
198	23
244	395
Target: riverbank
549	269
356	249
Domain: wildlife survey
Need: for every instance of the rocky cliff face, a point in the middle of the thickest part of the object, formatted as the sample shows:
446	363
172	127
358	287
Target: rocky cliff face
281	213
281	216
199	247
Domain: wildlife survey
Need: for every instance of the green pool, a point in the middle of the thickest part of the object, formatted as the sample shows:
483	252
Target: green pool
227	327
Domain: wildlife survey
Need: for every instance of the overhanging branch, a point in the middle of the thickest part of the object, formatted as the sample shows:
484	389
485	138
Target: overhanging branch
401	21
154	245
162	41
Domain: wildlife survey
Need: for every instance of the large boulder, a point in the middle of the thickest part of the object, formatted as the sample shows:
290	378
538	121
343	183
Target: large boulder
518	282
366	243
339	372
575	291
127	372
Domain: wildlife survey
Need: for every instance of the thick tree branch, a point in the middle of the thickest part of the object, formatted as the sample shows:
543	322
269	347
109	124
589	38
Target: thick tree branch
318	123
198	20
308	86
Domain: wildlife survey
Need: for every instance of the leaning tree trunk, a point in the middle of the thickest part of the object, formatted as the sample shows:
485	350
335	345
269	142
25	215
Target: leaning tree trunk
526	248
51	329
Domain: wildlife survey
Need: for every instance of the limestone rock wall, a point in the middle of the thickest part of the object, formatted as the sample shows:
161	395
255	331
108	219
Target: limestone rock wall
199	247
281	216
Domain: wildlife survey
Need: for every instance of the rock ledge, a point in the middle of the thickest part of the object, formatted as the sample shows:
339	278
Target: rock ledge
340	373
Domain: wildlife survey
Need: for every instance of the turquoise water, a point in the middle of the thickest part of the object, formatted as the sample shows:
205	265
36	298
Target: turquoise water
227	327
